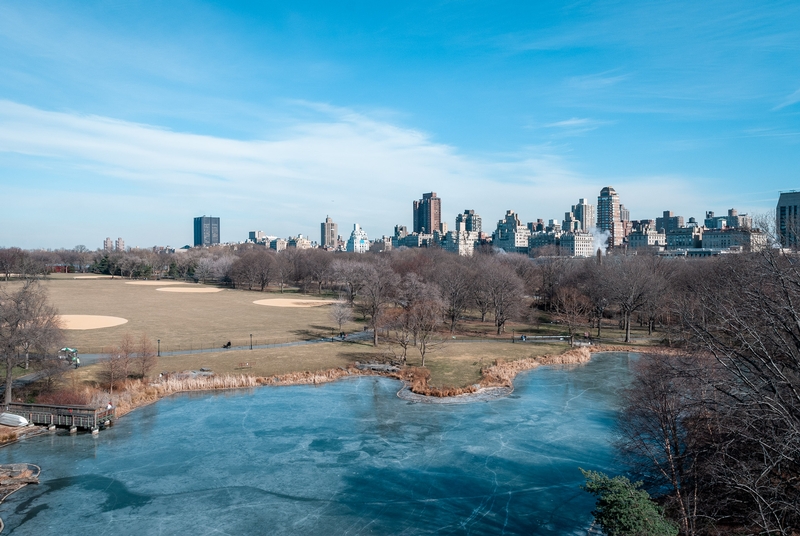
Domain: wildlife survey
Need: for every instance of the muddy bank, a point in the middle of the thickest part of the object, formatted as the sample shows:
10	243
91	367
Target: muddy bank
496	380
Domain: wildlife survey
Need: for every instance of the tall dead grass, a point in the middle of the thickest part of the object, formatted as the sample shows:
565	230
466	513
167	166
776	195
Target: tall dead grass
137	393
314	378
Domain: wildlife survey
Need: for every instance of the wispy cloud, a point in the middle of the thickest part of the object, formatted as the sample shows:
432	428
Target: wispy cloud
576	126
596	81
794	98
343	163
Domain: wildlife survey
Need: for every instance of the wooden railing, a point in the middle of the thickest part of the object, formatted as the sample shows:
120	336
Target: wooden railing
77	416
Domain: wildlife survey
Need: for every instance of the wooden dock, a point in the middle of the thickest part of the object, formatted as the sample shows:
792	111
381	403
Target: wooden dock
86	417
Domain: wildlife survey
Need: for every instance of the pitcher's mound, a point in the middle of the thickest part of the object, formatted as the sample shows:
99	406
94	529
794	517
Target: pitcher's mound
90	321
156	283
288	302
189	289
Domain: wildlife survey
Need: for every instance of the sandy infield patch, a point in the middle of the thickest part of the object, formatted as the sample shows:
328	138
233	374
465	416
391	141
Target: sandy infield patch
92	277
288	302
156	283
189	289
90	321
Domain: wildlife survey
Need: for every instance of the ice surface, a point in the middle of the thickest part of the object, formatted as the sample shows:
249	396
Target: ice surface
343	458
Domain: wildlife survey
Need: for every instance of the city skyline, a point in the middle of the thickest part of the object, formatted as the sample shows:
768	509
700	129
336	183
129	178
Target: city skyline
133	118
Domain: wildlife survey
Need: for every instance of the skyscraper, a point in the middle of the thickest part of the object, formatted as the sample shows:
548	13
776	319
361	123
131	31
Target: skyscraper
584	213
469	222
787	219
428	214
206	231
330	233
108	244
608	216
120	244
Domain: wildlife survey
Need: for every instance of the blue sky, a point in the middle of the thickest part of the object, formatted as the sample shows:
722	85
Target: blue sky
130	118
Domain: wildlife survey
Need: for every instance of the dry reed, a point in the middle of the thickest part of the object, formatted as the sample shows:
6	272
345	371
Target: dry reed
137	393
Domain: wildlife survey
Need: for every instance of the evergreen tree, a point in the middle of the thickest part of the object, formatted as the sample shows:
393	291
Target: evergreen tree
624	509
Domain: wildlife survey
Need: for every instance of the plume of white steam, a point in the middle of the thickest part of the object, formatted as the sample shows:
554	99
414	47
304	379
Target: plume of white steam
600	239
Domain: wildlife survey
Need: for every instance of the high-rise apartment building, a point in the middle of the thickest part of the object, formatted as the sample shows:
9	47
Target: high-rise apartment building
108	244
206	231
358	241
584	213
469	222
787	219
608	216
668	222
329	233
624	213
511	235
119	245
428	214
257	237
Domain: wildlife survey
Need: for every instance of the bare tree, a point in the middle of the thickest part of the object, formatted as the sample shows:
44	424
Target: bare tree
113	262
454	283
660	409
9	261
185	265
632	283
318	266
244	271
351	274
145	356
746	315
341	312
27	324
593	279
284	267
204	269
380	285
425	318
570	306
505	290
112	370
126	352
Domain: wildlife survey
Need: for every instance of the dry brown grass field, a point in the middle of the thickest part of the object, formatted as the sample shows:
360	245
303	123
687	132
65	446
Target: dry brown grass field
206	321
182	320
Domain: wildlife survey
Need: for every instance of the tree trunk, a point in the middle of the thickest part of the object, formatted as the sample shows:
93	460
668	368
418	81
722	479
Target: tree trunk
375	336
9	381
627	327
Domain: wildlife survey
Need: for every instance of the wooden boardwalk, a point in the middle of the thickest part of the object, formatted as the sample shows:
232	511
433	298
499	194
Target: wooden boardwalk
85	417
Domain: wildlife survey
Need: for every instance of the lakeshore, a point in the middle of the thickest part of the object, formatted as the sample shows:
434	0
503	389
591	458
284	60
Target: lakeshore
349	456
497	380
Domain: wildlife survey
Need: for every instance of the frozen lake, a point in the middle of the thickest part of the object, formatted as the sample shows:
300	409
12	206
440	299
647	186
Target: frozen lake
343	458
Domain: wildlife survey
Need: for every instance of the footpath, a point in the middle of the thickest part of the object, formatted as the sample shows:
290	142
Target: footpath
89	359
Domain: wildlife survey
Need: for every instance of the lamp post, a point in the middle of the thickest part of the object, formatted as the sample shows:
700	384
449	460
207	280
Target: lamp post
159	347
251	341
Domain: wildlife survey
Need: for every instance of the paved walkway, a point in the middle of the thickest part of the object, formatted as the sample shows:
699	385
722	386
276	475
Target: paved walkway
88	359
